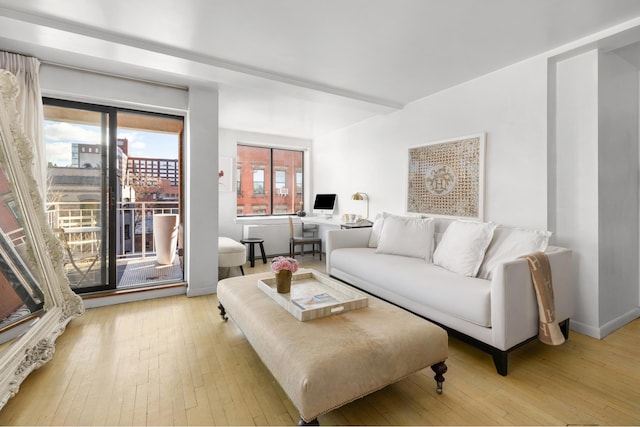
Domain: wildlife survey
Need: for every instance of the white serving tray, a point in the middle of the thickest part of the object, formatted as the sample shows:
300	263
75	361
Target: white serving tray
314	295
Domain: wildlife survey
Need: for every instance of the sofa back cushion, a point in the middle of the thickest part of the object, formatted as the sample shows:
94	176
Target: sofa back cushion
509	243
463	246
406	236
440	226
376	229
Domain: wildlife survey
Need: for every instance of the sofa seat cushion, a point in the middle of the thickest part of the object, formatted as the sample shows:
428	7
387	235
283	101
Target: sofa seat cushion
467	298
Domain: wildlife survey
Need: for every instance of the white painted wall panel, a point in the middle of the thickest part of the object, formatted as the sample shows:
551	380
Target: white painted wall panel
276	238
201	193
85	86
508	105
577	180
618	189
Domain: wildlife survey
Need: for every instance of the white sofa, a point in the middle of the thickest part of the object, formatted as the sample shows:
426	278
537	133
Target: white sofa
493	305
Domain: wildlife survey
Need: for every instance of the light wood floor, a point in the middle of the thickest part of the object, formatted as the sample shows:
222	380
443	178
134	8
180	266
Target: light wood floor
172	361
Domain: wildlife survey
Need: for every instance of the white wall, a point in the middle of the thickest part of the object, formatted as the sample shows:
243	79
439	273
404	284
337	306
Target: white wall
508	105
83	86
201	192
536	175
597	186
576	214
618	188
598	199
228	140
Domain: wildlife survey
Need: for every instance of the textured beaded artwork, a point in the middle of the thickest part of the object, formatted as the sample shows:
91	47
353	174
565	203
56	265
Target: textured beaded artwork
446	178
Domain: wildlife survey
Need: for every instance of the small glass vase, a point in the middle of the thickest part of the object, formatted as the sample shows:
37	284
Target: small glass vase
283	281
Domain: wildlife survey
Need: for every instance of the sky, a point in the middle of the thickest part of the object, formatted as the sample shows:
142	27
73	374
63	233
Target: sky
59	137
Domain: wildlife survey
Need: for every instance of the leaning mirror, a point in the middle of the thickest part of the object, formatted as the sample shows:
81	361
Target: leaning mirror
36	302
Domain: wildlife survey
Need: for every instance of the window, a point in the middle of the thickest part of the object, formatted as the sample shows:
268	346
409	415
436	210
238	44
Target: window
239	182
281	184
258	182
266	179
299	184
281	179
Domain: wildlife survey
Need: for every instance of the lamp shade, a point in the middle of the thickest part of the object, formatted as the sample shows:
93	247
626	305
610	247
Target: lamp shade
362	196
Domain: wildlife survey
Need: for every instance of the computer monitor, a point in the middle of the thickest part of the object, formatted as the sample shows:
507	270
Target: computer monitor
324	204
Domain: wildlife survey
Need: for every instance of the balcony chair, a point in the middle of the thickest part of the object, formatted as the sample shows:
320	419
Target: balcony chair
75	258
301	241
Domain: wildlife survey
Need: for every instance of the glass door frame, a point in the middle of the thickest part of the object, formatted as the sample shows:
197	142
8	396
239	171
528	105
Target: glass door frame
108	182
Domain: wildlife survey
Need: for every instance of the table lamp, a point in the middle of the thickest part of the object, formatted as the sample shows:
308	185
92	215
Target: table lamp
362	196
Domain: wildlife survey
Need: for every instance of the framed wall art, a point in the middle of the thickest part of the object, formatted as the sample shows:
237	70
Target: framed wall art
446	178
225	174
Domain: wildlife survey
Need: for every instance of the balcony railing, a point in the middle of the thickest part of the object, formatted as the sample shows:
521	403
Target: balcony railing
81	225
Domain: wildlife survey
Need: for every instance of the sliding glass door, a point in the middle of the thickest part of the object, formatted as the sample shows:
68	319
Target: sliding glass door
104	189
77	147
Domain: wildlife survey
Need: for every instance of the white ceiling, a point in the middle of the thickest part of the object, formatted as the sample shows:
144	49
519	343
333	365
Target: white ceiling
302	68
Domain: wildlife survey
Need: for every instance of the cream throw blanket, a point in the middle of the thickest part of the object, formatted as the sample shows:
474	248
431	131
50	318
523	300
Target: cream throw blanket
541	275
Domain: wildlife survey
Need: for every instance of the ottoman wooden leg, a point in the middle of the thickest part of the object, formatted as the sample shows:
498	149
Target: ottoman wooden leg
313	422
439	369
223	312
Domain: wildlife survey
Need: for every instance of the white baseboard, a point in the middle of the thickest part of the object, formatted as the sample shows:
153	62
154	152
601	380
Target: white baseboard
197	292
619	322
103	301
584	329
600	332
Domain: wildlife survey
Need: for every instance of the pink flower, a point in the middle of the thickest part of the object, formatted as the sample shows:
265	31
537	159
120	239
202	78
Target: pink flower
284	263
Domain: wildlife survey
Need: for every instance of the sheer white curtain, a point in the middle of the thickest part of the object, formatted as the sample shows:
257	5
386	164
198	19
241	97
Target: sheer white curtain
27	69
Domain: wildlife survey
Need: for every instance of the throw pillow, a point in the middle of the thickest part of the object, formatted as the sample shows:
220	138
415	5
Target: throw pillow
510	243
407	236
463	245
376	229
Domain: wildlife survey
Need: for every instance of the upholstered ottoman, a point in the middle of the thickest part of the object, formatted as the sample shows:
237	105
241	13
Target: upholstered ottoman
231	253
328	362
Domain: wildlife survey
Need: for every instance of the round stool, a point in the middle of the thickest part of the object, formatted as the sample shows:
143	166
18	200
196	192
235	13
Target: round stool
252	250
231	253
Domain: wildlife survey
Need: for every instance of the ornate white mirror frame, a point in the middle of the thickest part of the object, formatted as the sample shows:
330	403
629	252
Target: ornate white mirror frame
36	346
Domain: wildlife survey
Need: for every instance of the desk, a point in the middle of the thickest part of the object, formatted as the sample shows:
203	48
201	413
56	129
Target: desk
362	224
335	222
320	220
325	224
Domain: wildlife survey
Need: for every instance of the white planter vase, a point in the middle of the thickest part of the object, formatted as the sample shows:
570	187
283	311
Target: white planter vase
165	237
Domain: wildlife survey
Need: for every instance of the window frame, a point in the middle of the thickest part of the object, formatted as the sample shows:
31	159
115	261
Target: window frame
270	194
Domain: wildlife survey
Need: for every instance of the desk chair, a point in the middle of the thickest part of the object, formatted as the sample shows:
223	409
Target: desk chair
301	241
309	230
